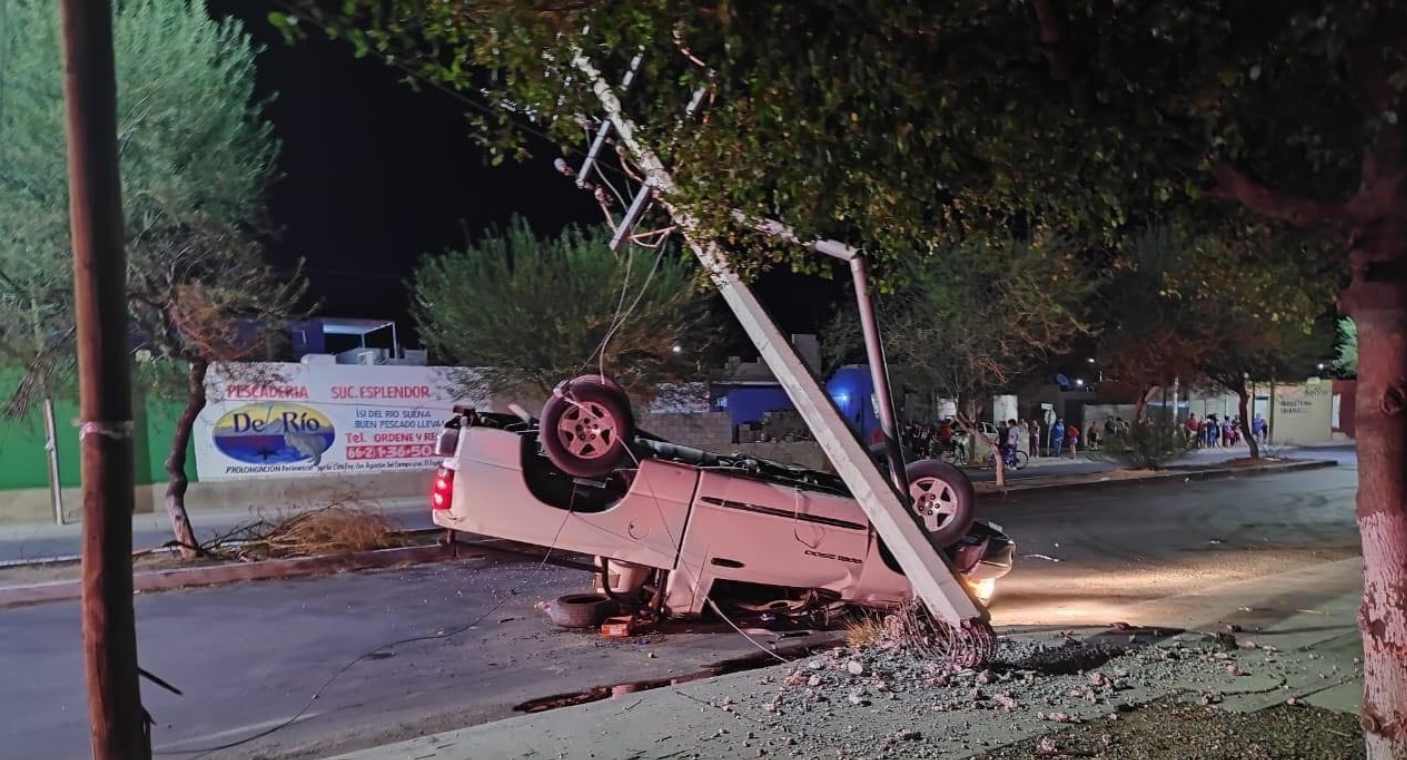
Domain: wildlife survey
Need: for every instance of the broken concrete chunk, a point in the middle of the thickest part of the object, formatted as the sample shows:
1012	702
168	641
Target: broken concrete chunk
1058	717
855	667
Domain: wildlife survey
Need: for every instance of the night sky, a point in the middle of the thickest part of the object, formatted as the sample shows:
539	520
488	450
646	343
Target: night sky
376	174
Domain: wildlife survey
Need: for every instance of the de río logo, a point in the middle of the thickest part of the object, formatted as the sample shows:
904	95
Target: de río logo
274	433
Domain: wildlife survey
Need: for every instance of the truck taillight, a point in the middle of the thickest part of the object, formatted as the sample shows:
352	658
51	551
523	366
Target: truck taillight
443	488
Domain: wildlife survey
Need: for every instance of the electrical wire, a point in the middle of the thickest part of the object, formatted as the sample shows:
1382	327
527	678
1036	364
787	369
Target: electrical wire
617	320
620	197
605	343
201	752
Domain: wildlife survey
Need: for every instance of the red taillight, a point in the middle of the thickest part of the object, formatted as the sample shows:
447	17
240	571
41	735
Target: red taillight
443	488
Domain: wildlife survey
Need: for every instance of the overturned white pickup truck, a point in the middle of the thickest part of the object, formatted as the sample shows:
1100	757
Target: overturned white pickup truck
677	524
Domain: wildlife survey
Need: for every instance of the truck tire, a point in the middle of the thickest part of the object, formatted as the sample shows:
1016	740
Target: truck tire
586	428
607	383
943	499
580	610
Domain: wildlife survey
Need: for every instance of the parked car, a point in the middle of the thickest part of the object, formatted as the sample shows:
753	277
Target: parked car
677	525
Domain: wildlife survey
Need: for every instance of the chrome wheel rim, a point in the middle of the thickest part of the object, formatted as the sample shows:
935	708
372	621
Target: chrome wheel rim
935	502
587	430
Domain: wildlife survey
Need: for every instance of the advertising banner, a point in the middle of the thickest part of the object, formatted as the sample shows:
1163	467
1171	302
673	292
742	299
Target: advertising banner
283	420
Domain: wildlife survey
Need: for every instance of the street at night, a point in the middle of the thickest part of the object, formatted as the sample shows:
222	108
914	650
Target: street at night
1170	554
523	379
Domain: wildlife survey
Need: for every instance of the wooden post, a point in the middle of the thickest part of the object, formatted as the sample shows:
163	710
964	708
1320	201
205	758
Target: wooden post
119	730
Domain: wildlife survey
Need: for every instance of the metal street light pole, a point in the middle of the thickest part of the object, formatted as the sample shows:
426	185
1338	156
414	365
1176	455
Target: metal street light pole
118	722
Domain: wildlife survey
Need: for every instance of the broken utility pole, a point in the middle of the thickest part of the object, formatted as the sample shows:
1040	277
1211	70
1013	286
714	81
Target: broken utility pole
118	722
923	564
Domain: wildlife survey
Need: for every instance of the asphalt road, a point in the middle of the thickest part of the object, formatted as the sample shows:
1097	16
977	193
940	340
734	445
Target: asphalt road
249	656
1099	556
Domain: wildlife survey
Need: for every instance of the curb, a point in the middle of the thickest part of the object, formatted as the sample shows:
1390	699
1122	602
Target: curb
164	580
1212	473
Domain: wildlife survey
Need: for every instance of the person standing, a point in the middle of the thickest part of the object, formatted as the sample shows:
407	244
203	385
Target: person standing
1194	428
1057	437
1023	442
1013	438
1072	438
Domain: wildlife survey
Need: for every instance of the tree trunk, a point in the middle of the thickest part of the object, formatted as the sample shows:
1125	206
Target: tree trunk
1377	301
1140	404
177	483
970	422
1243	399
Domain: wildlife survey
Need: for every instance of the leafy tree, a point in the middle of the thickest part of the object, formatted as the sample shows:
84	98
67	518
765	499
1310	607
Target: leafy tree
1146	339
1222	309
195	157
524	311
203	296
1257	314
903	127
967	322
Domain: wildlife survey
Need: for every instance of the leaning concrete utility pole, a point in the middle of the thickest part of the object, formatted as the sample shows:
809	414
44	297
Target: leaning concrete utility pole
118	723
922	563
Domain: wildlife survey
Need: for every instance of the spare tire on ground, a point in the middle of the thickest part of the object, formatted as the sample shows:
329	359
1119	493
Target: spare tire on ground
580	610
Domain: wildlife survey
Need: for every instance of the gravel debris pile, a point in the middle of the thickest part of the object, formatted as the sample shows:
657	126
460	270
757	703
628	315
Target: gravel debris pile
882	701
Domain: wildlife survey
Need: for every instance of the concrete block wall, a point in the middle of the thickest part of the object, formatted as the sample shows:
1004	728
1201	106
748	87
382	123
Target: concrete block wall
711	430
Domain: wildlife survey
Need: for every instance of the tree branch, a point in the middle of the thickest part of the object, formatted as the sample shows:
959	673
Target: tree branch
1232	184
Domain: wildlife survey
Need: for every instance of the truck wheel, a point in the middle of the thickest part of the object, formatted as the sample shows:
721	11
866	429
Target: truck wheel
602	381
943	499
585	428
596	379
580	610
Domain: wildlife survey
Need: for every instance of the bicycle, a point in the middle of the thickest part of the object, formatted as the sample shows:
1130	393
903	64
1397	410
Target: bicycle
1014	459
954	453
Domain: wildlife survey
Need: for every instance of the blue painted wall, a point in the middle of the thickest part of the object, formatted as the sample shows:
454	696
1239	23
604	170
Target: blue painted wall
850	388
746	404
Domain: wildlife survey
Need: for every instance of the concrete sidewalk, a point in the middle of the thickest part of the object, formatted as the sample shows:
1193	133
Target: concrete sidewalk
874	704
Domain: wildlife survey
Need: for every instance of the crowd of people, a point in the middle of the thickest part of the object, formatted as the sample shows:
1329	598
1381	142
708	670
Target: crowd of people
1030	437
1213	432
1061	438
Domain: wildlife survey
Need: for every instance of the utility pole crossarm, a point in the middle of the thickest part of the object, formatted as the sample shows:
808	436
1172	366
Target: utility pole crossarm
833	248
923	564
